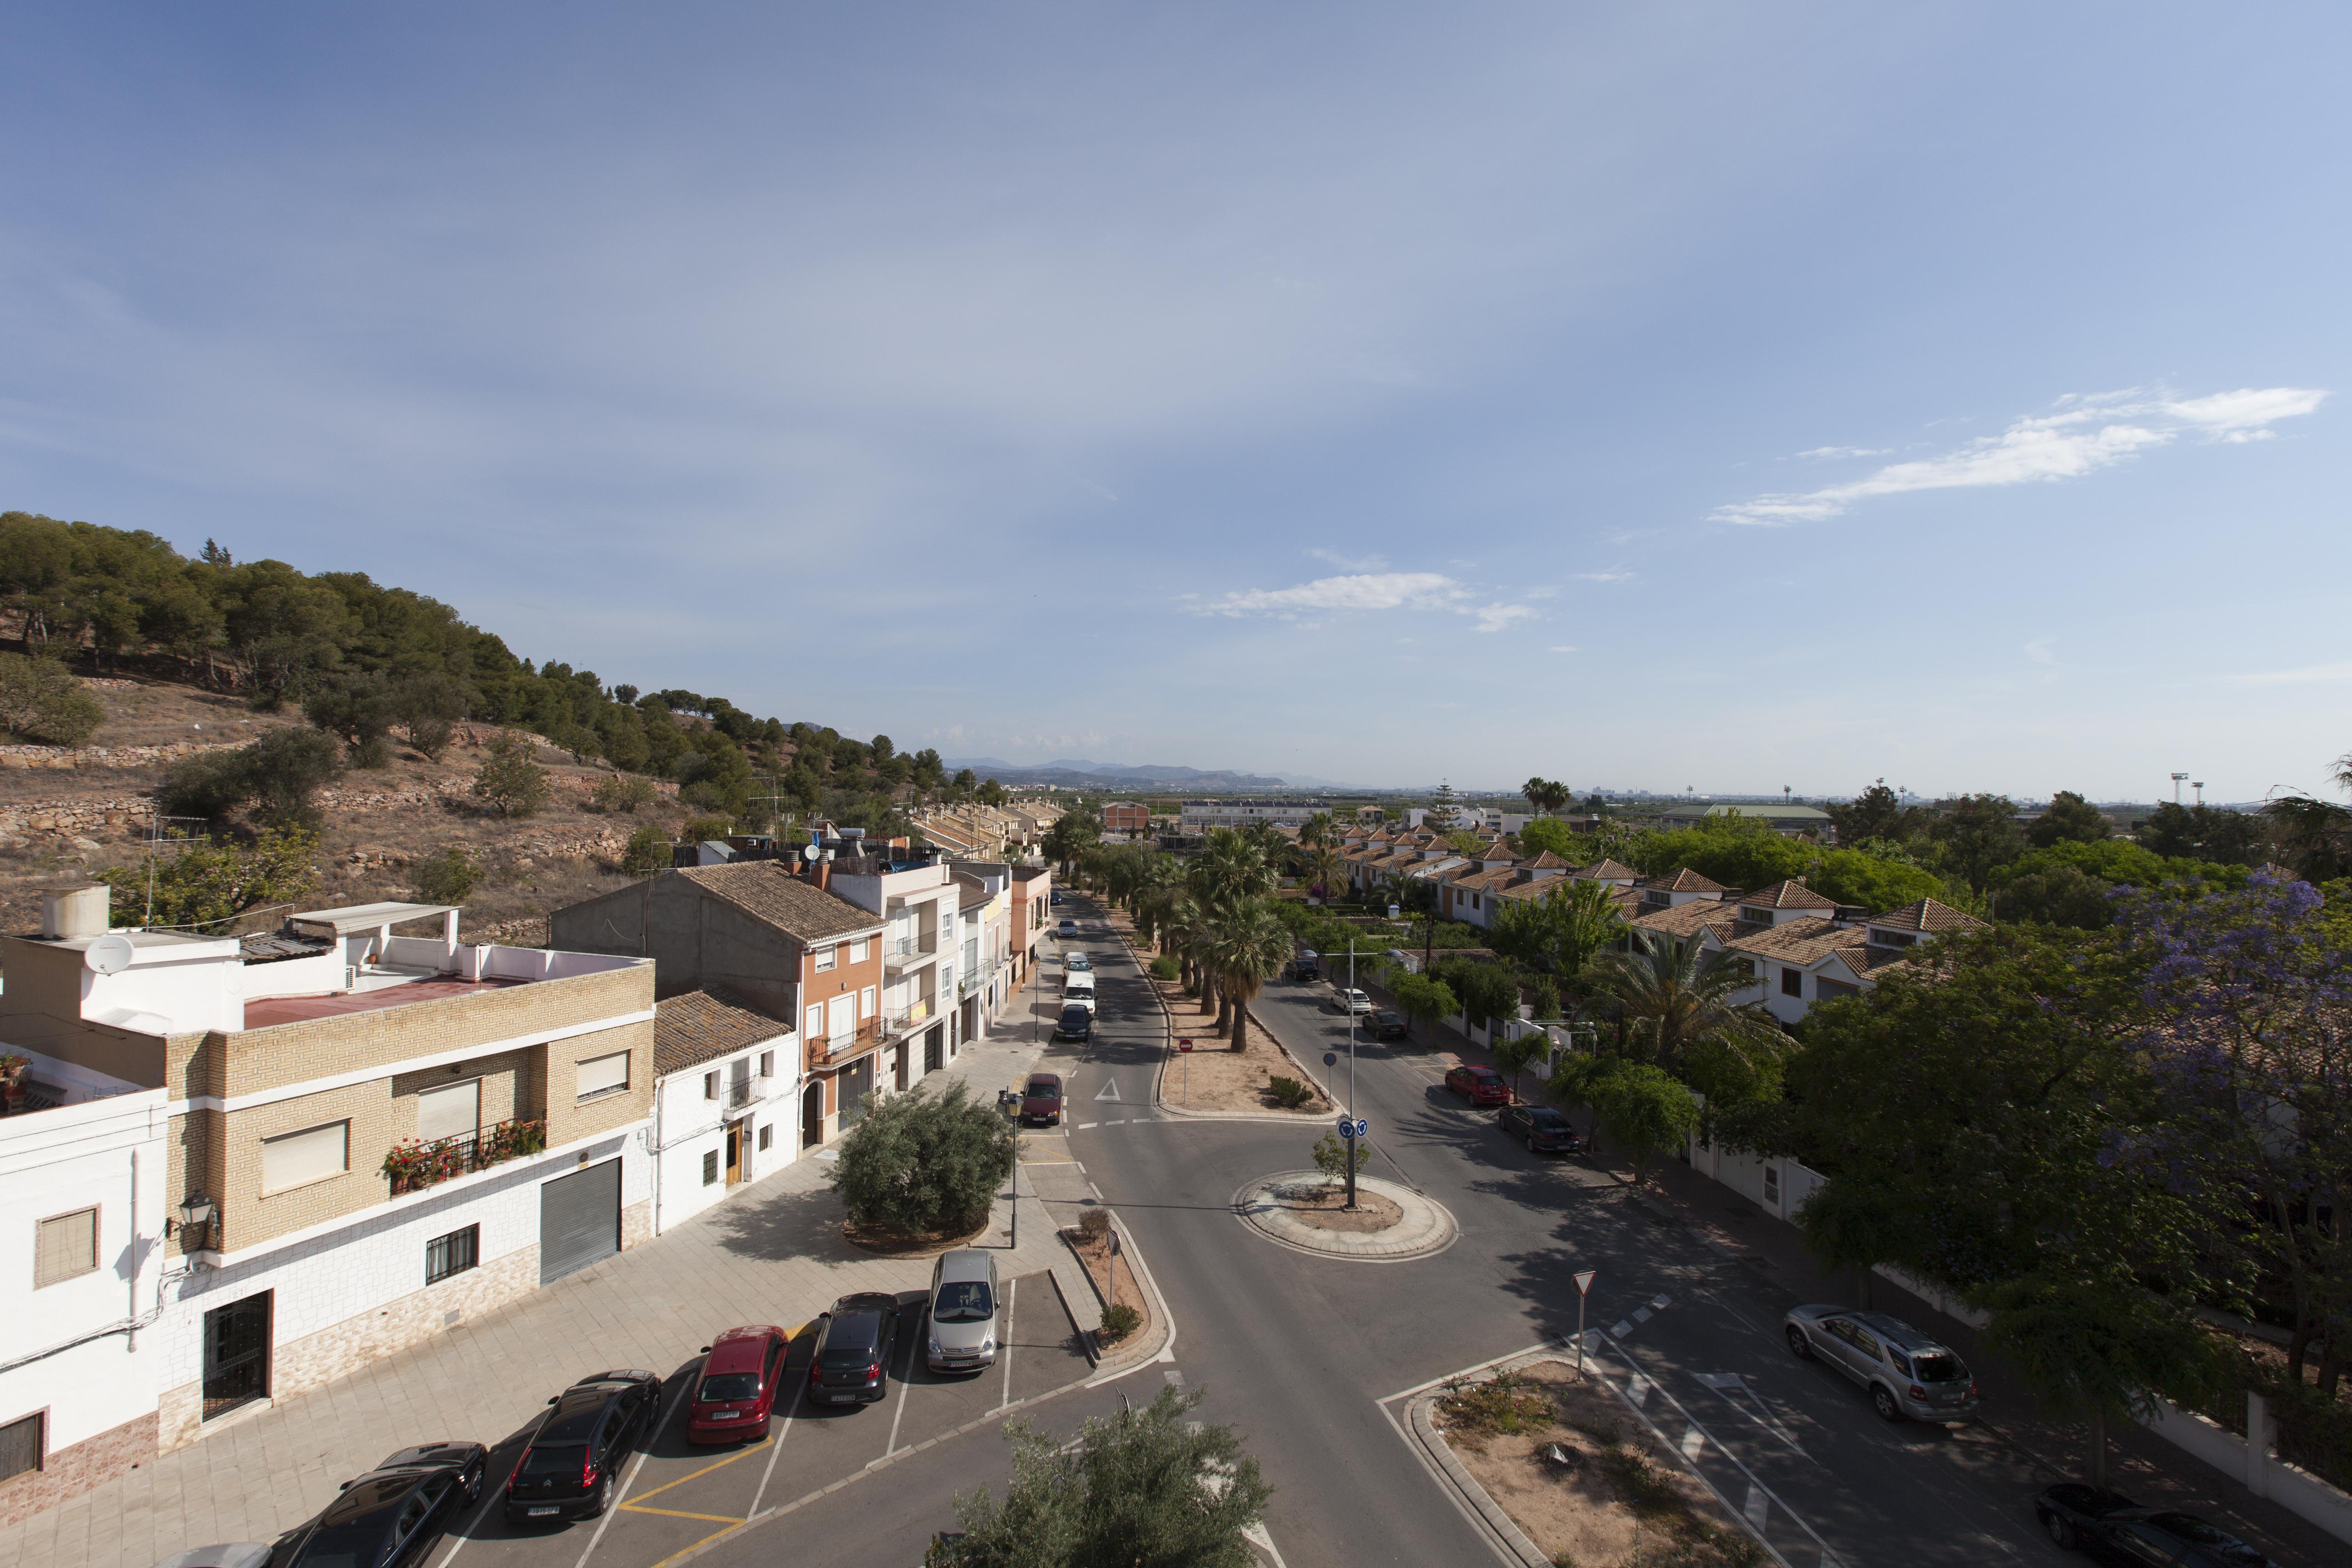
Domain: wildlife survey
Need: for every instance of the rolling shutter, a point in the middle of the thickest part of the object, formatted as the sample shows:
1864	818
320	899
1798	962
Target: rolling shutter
579	1220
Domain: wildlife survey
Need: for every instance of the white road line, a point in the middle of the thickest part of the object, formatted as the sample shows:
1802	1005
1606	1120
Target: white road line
489	1500
1087	1126
1757	1509
1621	1328
1004	1340
1465	1372
906	1385
776	1450
1693	1442
631	1479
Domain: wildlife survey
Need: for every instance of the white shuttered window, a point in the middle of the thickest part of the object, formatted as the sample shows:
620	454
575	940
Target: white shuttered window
67	1246
601	1074
297	1159
449	1109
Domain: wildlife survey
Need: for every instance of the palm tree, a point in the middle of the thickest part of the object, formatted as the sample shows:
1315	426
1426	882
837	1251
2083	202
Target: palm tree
1545	794
1159	881
1326	866
1233	867
1674	997
1245	946
1317	831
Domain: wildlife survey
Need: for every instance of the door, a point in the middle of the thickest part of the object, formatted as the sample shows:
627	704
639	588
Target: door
899	1065
579	1220
237	1354
812	1115
935	1048
855	1082
1842	1353
734	1154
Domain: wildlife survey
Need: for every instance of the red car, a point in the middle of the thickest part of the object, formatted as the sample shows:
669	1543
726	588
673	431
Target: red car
1041	1100
1479	1085
740	1371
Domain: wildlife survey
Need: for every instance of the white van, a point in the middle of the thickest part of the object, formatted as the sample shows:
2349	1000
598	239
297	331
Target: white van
1079	986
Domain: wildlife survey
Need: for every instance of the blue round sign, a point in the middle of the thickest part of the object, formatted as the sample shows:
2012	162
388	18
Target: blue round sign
1331	1058
1346	1128
1362	1127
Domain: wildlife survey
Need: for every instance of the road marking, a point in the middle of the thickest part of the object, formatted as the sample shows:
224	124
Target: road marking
1637	1391
679	1513
1621	1328
630	1480
776	1446
905	1384
1004	1340
489	1497
1257	1536
1109	1090
1693	1442
1643	1314
1660	1302
1087	1126
1757	1509
1121	1123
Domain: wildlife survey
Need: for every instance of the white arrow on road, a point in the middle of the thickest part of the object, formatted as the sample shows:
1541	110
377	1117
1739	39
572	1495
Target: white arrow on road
1109	1090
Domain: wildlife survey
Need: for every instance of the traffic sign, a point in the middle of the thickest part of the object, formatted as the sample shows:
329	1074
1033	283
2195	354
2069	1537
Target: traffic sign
1184	1044
1347	1127
1584	1280
1363	1128
1331	1058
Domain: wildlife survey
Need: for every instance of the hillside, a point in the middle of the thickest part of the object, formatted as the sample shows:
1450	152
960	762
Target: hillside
64	814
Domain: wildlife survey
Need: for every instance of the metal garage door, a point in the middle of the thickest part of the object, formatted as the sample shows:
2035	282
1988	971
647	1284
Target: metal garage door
579	1220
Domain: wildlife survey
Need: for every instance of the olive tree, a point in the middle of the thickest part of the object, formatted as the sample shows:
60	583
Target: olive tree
925	1164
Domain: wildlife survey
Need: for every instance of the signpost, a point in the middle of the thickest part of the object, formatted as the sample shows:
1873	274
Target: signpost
1584	1287
1352	1129
1185	1092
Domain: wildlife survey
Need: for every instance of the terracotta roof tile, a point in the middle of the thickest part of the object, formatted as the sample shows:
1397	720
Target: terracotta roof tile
1927	915
1548	861
703	1026
1683	881
768	892
1688	920
1800	941
1608	871
1790	895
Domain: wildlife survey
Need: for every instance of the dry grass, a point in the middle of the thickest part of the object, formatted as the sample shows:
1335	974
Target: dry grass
1110	1274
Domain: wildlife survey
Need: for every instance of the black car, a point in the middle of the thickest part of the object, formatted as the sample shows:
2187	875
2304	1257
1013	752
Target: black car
1547	1131
395	1515
574	1456
1302	968
2111	1527
852	1351
1077	1023
1387	1024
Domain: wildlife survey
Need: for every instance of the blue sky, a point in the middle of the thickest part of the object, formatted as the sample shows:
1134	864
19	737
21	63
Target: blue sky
1717	396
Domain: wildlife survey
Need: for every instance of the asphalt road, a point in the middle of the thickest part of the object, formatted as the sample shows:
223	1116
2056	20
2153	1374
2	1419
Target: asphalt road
1301	1352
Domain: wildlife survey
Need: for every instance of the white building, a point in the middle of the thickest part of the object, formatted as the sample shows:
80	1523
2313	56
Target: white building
1198	817
727	1076
922	956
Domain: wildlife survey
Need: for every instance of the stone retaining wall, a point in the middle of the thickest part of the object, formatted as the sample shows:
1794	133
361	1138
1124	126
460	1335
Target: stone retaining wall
108	756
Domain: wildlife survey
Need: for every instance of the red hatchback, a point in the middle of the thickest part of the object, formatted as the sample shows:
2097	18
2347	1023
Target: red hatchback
1479	1085
740	1371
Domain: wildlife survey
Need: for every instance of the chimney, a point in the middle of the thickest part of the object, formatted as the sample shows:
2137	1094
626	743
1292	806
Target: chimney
75	912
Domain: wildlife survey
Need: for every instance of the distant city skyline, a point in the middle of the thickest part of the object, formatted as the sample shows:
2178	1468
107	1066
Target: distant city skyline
1814	393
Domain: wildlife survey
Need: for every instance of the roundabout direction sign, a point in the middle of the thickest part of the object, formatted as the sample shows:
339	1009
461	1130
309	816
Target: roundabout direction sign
1347	1127
1331	1058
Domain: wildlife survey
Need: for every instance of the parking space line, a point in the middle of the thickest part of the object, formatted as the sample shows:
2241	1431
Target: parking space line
776	1448
635	1469
1004	1345
716	1465
906	1386
677	1513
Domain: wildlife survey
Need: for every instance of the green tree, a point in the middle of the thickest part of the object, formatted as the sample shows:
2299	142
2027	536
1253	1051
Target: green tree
428	707
40	700
1072	833
925	1164
1978	834
1877	812
2203	833
647	851
286	769
1546	794
1559	932
1644	1109
1857	877
1548	836
1669	998
445	877
1245	947
361	708
511	782
1424	999
201	884
1515	1055
2070	818
1143	1487
1735	850
1331	1152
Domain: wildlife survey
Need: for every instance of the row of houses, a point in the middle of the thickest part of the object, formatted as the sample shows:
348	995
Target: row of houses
235	1169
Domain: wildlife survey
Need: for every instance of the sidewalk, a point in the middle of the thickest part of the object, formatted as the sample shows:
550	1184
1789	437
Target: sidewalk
772	1253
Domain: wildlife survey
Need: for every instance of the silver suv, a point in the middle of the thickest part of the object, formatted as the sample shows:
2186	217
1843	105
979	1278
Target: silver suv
1907	1373
963	1310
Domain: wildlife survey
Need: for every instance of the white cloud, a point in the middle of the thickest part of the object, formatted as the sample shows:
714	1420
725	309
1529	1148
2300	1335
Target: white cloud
1602	576
1495	617
2038	651
2086	432
2309	675
1563	647
1356	591
1847	452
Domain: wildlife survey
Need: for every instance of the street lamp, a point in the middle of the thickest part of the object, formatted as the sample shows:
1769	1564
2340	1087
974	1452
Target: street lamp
195	1213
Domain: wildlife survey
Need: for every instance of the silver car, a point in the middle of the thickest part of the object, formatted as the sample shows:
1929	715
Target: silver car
963	1312
1907	1373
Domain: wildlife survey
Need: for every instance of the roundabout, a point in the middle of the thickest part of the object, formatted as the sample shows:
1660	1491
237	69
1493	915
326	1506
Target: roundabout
1391	1222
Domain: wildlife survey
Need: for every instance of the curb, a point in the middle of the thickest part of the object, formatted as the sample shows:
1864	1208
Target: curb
1086	1339
1156	1345
1488	1511
1443	1233
1168	1054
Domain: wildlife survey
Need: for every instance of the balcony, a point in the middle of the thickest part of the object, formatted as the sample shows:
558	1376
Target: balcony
740	1093
901	957
415	1166
841	1048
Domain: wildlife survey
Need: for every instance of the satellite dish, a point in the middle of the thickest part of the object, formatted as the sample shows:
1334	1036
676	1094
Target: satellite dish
808	851
109	955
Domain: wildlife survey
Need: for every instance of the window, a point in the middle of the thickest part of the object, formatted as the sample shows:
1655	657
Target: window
816	1021
1757	966
604	1075
766	1136
865	1003
1792	983
20	1445
1772	1185
711	1086
710	1169
67	1247
857	950
452	1254
449	1109
298	1159
1828	990
824	958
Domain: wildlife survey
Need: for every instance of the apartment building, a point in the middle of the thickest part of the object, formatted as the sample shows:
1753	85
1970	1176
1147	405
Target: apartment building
1198	817
726	1076
1126	819
1031	898
924	976
366	1137
780	939
987	897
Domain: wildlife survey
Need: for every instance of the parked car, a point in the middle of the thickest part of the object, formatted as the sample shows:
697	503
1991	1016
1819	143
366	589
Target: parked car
394	1516
1547	1131
1076	964
1055	897
1907	1373
1478	1085
568	1467
1067	928
1040	1097
1387	1024
2110	1526
1305	966
1345	999
1076	1023
737	1391
1408	962
854	1349
963	1312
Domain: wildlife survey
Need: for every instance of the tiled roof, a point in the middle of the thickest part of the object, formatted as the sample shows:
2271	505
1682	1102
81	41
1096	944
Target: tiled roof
766	891
703	1026
1609	871
1548	861
1800	941
1927	915
1484	881
1683	881
1687	920
1790	895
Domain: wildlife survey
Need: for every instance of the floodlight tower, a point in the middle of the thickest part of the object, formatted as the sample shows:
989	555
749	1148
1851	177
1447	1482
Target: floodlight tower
2178	779
2198	785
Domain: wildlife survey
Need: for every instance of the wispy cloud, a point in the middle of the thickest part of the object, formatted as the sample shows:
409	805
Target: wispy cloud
1563	647
2085	434
1602	576
1346	562
2308	675
1360	591
1847	452
2039	650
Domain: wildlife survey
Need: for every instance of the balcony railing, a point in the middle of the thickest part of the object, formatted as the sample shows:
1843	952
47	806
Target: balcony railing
865	1037
738	1093
416	1165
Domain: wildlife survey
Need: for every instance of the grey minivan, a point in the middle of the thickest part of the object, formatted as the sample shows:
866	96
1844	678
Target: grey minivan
963	1312
1907	1373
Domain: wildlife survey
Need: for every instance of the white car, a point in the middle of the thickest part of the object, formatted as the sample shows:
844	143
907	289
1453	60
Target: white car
1346	1000
1076	964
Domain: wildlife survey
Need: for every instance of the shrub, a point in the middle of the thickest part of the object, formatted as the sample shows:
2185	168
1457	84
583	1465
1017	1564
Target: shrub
647	851
446	879
41	700
361	710
209	884
210	786
1165	968
702	828
285	770
1331	1155
1505	1403
1288	1092
1094	1224
924	1164
430	707
622	792
511	780
1120	1320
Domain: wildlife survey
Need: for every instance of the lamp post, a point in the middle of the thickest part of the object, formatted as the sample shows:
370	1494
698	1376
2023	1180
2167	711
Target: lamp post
195	1213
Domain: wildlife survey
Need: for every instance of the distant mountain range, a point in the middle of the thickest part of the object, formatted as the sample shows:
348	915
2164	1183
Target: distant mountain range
1080	773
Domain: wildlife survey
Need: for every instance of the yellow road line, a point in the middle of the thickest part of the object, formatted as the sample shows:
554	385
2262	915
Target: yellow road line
674	1513
722	1464
690	1551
